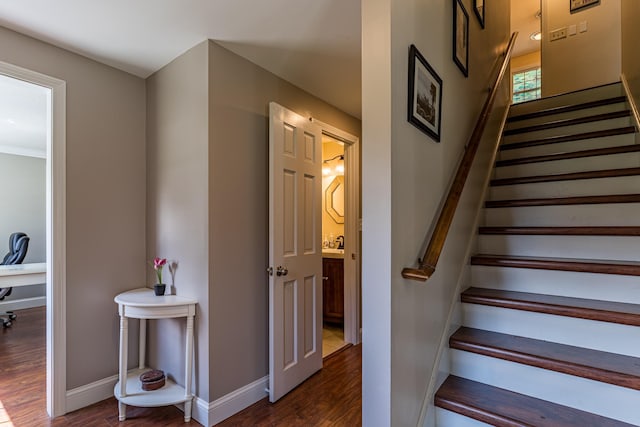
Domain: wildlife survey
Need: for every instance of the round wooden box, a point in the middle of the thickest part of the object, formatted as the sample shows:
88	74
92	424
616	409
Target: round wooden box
152	380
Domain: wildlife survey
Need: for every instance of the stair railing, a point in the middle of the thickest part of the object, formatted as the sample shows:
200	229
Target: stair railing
427	264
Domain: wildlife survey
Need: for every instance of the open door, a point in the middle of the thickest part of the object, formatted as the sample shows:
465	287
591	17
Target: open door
295	254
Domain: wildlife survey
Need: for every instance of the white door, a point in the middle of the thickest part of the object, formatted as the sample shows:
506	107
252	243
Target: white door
295	254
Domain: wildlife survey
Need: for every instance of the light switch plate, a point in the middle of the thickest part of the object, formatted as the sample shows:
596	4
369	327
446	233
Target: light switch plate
583	26
571	30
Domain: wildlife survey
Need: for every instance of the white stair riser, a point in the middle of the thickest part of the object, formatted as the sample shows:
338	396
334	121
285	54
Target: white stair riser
563	147
600	92
603	336
622	214
584	164
624	248
585	112
587	395
445	418
581	187
570	130
609	287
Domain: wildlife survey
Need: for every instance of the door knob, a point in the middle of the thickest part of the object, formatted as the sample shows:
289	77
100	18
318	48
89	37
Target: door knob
281	271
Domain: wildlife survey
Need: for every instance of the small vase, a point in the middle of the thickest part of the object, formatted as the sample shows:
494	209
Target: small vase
159	289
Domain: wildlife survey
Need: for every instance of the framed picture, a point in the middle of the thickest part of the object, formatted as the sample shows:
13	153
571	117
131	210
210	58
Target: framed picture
576	5
425	95
461	37
478	8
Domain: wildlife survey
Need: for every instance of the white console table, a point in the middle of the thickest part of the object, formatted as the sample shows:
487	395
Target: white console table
23	274
143	304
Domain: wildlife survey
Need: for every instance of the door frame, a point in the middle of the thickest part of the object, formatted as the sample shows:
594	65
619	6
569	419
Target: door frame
352	231
56	233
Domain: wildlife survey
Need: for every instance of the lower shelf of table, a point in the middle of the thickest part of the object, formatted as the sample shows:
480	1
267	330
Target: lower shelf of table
169	394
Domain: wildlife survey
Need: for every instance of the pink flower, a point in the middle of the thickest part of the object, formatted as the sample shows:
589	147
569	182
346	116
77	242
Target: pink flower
158	263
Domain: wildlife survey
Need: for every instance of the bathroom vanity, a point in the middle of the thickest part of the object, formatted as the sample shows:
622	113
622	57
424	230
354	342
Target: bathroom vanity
333	286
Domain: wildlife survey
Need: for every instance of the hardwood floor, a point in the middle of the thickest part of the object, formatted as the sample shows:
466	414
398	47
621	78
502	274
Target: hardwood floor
332	397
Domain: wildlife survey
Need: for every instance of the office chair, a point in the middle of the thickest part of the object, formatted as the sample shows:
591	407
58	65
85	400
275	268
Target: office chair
18	245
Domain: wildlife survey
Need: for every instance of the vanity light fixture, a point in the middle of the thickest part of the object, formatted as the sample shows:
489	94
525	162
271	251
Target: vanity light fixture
339	169
339	157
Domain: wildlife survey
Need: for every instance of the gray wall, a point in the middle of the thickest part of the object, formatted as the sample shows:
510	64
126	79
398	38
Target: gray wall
208	206
630	36
238	210
405	176
23	183
177	204
594	54
105	150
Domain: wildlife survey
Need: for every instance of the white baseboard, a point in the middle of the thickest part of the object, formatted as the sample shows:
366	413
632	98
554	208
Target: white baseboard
209	414
205	413
90	393
19	304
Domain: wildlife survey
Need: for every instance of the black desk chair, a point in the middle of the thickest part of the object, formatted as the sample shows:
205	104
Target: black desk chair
18	245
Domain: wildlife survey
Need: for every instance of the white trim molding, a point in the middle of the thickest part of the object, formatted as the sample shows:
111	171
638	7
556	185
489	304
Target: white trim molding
211	413
56	233
206	413
89	394
352	229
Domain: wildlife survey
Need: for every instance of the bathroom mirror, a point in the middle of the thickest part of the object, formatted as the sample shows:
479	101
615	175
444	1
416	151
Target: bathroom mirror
334	199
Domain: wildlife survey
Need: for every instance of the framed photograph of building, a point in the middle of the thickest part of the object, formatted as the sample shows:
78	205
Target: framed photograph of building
425	95
577	5
461	37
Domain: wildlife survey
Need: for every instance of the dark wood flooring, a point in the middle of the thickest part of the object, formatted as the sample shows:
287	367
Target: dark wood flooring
331	397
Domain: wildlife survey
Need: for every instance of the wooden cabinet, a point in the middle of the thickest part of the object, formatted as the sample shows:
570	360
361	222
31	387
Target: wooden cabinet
333	290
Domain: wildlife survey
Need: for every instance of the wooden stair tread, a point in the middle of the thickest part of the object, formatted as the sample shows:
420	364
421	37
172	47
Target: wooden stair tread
621	149
504	408
611	368
608	173
604	311
625	268
563	231
568	122
568	138
555	201
566	109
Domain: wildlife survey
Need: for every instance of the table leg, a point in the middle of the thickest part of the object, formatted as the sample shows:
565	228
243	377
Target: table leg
124	333
142	345
188	370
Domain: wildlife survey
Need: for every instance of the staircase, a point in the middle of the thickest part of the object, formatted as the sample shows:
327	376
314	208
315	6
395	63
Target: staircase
550	333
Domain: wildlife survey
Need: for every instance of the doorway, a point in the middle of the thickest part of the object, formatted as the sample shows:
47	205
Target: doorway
55	220
526	71
341	236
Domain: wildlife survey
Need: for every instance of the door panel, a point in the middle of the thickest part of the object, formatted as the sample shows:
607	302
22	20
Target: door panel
295	257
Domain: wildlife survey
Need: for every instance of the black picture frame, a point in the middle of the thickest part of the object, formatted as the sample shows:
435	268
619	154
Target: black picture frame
461	37
578	5
424	95
478	9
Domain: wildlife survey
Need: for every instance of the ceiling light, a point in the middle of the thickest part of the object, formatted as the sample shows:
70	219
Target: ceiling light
537	36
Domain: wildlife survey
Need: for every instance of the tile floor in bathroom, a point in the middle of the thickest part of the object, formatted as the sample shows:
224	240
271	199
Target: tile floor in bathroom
332	339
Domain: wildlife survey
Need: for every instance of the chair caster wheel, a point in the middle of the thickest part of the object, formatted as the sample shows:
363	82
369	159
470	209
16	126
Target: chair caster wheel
6	323
12	315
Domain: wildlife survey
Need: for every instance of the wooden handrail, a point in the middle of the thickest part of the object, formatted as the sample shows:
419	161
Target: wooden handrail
427	265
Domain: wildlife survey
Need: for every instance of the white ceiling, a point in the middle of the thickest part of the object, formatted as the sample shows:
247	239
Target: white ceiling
523	20
312	44
23	118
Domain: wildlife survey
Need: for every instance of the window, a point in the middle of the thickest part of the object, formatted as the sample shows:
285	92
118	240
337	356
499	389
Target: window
526	85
